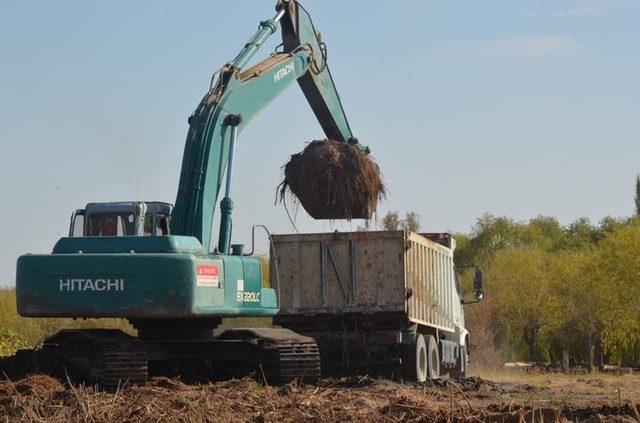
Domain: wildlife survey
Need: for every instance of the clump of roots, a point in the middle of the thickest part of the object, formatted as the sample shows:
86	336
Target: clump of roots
333	180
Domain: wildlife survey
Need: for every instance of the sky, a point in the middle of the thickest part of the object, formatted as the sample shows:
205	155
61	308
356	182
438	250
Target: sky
517	108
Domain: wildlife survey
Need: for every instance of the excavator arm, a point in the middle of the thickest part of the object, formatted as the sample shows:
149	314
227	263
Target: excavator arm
316	84
236	97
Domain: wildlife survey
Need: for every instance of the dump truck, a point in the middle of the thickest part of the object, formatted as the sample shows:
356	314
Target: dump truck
385	302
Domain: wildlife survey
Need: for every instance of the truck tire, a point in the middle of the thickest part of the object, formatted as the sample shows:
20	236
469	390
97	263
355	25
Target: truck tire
421	361
462	365
433	357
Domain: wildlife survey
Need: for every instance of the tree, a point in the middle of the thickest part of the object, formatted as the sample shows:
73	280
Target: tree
411	222
544	232
638	195
582	234
614	273
609	224
391	221
527	307
584	302
491	234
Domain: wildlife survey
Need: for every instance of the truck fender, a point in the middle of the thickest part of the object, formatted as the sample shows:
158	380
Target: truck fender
464	338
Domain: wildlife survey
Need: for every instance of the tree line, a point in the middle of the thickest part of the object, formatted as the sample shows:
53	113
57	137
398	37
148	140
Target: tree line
554	289
551	289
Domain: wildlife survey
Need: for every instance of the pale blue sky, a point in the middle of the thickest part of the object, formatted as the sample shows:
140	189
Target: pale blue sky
509	107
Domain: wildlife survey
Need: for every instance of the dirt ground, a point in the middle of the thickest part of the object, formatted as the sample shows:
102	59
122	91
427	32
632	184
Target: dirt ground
502	397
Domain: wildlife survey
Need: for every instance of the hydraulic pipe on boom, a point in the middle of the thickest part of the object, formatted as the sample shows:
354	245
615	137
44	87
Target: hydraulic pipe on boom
226	205
267	28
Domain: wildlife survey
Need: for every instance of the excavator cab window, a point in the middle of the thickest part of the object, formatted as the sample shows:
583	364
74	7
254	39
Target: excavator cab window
77	224
162	224
111	224
148	224
156	224
121	219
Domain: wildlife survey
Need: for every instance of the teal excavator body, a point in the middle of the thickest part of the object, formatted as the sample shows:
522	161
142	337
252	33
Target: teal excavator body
180	277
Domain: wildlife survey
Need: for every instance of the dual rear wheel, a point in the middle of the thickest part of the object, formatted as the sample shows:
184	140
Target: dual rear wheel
421	362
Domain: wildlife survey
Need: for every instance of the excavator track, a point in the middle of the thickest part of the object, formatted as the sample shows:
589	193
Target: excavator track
285	355
103	357
111	358
297	361
123	363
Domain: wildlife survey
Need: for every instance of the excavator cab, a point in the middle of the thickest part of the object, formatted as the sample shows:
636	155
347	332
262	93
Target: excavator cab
136	218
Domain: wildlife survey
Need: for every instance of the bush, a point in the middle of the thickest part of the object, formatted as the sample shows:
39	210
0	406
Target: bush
19	332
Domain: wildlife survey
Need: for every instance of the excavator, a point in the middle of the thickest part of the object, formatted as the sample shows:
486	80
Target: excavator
153	264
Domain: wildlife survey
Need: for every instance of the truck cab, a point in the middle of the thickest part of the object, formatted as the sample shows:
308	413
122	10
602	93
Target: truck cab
132	218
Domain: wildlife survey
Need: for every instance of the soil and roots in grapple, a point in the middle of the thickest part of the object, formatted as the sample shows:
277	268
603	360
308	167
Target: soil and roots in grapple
333	180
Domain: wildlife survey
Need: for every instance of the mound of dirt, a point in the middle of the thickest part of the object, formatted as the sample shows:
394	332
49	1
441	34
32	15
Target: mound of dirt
333	180
39	385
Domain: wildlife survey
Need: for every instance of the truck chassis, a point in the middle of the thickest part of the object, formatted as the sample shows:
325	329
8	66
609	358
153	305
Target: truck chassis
378	344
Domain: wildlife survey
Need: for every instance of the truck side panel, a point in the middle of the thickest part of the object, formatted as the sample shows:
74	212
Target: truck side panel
368	272
429	273
338	273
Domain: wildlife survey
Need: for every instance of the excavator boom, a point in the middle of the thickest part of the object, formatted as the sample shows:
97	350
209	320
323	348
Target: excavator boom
238	95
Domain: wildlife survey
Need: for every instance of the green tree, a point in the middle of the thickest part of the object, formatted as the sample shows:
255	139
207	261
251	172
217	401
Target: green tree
491	234
584	303
582	234
544	232
391	221
527	307
615	274
411	222
609	224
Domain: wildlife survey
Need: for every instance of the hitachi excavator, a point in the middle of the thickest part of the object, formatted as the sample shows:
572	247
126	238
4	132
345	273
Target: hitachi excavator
153	264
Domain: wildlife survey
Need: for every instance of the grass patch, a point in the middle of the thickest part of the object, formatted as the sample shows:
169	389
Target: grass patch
18	332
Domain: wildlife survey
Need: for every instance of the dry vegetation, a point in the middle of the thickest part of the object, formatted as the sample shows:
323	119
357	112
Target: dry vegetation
515	398
19	332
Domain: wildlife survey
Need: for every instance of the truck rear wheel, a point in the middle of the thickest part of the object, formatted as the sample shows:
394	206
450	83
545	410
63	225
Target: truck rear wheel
422	361
433	365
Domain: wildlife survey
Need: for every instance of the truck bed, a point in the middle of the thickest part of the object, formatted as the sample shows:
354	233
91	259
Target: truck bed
367	273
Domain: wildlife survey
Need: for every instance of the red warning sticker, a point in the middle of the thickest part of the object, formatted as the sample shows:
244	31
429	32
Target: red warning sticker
207	275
